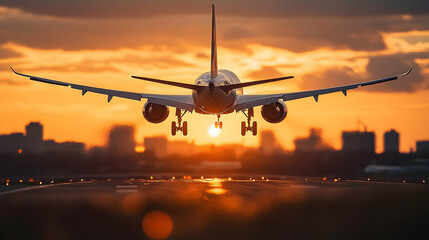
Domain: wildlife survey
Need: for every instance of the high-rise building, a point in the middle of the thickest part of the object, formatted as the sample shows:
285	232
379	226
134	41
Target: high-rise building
268	143
158	145
358	142
34	137
121	140
422	147
391	142
12	143
312	143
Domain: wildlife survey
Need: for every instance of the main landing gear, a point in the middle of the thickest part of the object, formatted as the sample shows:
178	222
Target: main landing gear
253	128
218	124
175	127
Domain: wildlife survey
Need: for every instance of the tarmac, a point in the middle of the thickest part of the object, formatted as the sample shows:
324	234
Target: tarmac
213	208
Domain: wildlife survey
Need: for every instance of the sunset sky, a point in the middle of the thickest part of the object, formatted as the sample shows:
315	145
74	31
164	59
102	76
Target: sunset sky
322	43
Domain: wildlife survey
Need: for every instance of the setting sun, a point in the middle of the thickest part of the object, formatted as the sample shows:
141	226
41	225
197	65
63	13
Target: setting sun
214	132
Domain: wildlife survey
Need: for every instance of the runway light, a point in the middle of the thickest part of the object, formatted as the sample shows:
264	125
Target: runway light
268	180
424	181
31	180
81	179
202	177
403	181
7	184
151	178
335	180
324	178
262	178
70	180
229	179
20	180
253	180
52	181
7	180
369	179
173	178
40	183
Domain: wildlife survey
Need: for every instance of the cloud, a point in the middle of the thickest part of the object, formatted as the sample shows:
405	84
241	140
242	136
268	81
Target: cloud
98	9
377	67
7	53
293	25
264	73
10	82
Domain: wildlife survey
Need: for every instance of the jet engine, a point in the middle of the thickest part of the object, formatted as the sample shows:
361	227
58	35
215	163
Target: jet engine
274	112
155	113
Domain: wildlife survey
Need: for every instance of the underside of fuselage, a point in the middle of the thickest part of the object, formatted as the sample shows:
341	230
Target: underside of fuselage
213	100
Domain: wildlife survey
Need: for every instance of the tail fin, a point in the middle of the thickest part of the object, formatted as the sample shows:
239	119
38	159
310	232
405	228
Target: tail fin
213	68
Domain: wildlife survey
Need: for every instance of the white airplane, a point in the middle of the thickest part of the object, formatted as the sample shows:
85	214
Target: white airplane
215	93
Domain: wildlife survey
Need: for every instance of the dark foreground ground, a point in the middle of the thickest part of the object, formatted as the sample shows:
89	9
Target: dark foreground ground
214	209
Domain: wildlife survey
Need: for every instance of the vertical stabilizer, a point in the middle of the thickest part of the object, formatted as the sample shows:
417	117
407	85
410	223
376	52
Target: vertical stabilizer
213	66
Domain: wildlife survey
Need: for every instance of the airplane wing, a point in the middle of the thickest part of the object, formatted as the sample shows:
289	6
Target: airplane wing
179	101
248	101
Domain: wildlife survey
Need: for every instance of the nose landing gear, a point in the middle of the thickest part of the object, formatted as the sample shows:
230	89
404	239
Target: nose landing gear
248	127
218	124
175	127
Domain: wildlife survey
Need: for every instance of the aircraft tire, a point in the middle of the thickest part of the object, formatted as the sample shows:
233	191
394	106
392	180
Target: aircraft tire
173	128
243	128
255	128
185	128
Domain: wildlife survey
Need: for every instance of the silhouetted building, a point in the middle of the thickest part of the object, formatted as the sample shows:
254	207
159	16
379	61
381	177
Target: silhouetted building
157	145
268	143
12	143
358	142
183	148
121	140
311	143
422	147
391	142
76	148
34	137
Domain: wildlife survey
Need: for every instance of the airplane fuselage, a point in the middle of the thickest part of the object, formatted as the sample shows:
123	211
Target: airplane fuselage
213	100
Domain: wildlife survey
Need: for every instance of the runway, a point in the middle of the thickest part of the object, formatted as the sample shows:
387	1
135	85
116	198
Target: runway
214	208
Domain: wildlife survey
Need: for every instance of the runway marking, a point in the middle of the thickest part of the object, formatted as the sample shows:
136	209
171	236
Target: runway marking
126	186
302	186
32	188
126	189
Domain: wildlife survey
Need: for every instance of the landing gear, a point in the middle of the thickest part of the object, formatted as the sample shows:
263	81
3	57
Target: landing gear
175	127
244	127
218	124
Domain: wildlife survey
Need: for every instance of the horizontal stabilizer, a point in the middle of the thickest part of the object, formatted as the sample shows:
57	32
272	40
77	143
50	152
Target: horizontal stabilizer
171	83
228	88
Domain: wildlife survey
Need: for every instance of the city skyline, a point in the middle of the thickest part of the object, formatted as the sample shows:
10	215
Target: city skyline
121	139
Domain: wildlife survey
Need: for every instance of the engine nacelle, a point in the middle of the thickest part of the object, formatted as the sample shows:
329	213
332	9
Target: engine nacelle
274	112
155	113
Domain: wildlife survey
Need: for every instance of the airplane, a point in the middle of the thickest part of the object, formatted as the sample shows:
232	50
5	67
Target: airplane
216	92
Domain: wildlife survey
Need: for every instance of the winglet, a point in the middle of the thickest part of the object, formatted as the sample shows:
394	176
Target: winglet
406	73
13	70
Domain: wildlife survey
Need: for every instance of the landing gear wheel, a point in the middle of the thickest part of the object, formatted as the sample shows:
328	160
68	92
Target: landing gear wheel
243	128
255	128
220	125
216	125
173	128
185	128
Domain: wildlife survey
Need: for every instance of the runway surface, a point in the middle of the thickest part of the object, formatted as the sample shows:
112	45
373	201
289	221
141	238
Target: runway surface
214	208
